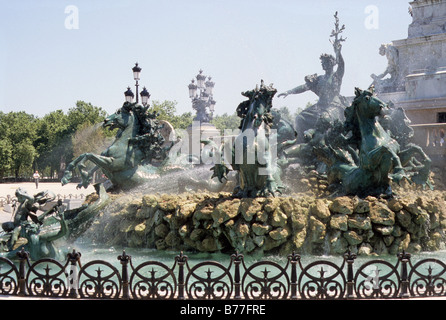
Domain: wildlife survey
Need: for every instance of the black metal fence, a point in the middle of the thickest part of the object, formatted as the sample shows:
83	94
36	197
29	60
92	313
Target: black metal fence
212	280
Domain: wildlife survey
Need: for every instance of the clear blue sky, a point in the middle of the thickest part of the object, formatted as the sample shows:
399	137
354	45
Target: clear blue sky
45	66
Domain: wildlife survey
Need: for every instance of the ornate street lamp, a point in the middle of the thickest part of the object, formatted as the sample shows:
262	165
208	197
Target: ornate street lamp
192	89
136	71
212	106
201	96
129	95
200	79
145	95
209	86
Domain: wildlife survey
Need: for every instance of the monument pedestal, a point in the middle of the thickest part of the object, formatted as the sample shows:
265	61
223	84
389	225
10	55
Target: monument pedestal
421	71
421	64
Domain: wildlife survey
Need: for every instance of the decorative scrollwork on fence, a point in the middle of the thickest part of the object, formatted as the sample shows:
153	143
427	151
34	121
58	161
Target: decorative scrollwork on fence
153	280
377	279
265	280
330	284
209	280
47	278
99	279
8	277
426	278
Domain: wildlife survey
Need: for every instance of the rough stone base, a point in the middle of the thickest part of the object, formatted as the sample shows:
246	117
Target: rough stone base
209	222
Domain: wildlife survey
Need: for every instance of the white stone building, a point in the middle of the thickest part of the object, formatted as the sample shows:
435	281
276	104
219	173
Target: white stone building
419	85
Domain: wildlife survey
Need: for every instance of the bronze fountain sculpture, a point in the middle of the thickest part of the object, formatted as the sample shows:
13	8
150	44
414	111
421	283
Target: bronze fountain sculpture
127	162
327	87
370	159
251	154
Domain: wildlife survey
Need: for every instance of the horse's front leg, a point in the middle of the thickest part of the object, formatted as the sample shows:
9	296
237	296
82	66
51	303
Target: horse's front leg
100	161
79	162
68	174
87	176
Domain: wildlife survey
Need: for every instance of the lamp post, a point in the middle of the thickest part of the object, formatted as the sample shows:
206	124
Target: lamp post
145	95
200	92
202	97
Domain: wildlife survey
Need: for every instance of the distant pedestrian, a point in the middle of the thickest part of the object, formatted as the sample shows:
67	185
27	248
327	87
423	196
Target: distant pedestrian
36	177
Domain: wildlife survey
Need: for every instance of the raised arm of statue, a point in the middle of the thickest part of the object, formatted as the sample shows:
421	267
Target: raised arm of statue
337	46
312	81
59	215
297	90
339	60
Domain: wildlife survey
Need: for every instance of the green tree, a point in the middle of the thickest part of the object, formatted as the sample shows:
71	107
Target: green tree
84	113
23	157
5	148
182	121
225	121
5	157
52	141
167	111
28	143
89	138
19	130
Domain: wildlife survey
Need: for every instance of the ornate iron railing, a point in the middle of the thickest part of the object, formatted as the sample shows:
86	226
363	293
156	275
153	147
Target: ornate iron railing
211	280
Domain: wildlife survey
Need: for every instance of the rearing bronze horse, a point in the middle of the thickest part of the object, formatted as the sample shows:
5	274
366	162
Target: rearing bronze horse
380	159
127	161
251	155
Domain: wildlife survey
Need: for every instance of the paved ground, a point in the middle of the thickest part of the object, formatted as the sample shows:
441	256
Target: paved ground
56	187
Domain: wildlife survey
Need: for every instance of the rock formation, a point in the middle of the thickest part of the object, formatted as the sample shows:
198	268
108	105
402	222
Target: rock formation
213	222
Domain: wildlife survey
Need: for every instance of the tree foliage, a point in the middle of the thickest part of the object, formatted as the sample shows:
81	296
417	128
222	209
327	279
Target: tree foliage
84	113
167	111
90	138
19	131
28	143
225	121
5	156
53	141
